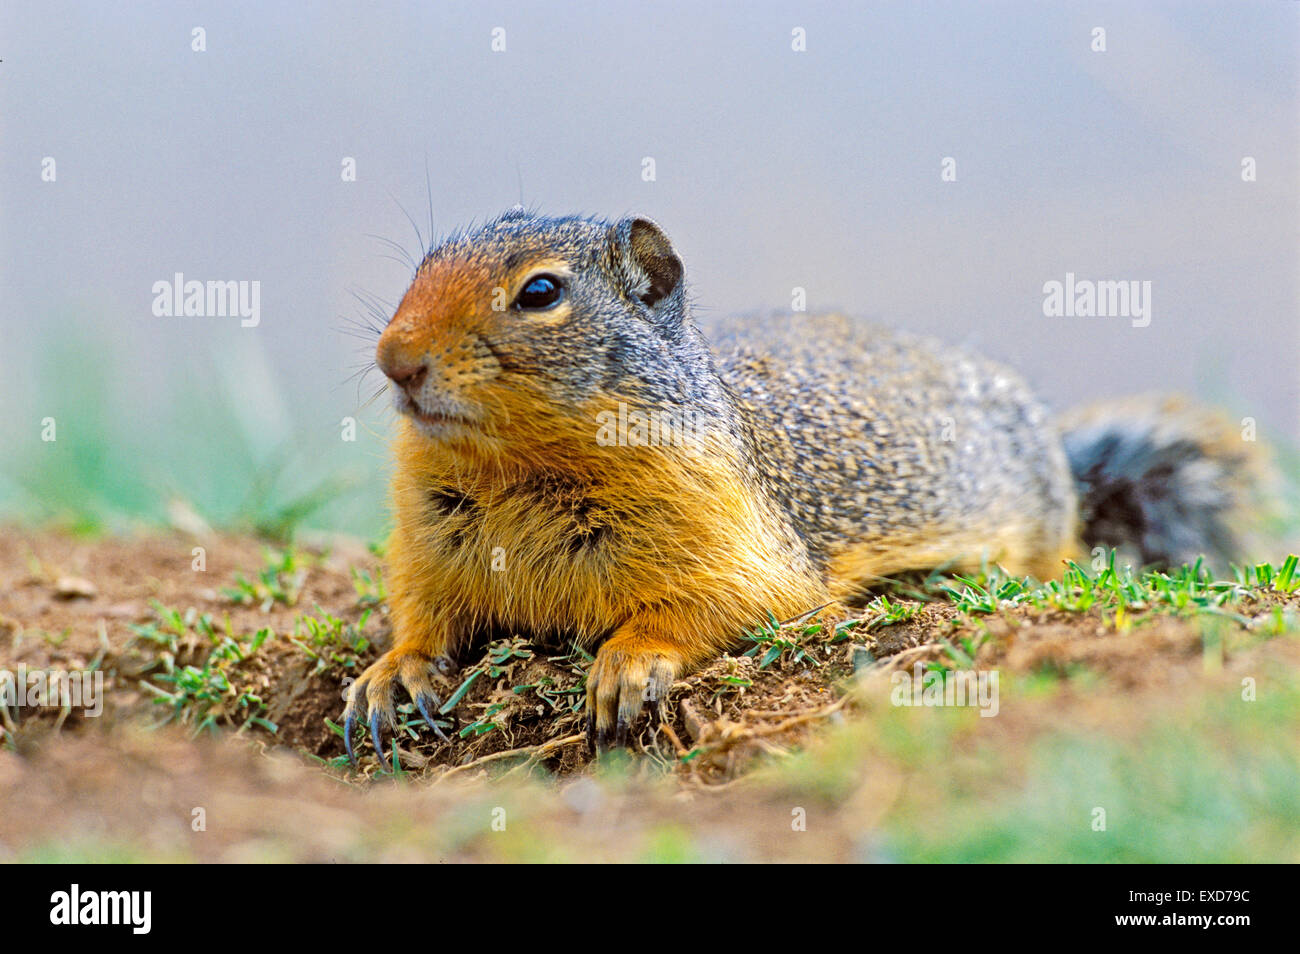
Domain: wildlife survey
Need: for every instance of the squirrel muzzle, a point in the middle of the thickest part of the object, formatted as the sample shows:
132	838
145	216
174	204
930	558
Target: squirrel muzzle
429	349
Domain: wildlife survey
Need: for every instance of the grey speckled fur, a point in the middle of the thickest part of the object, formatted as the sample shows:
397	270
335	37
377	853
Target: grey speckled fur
866	432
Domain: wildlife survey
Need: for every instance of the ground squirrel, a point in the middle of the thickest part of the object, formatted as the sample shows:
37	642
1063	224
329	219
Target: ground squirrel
575	460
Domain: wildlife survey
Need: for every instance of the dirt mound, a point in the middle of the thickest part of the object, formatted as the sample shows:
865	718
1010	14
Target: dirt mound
224	667
235	636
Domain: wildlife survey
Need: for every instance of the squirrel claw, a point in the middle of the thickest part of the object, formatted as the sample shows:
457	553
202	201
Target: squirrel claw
374	734
598	740
623	678
422	701
370	699
349	722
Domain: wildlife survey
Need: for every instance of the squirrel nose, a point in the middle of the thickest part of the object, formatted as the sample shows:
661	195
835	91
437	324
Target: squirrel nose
408	378
403	360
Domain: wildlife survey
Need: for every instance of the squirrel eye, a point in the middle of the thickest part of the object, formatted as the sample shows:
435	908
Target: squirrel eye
541	292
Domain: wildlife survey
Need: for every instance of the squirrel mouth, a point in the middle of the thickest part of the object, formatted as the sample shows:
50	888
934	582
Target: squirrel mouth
435	420
439	420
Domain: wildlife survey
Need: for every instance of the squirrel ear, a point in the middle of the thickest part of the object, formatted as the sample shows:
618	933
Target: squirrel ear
647	249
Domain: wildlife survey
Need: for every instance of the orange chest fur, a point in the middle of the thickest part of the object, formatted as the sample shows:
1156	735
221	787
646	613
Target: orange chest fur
547	552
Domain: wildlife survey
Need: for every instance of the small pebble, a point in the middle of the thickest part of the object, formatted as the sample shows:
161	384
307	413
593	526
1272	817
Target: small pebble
73	587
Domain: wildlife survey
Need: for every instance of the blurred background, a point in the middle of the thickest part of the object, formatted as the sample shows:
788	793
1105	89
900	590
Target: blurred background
773	169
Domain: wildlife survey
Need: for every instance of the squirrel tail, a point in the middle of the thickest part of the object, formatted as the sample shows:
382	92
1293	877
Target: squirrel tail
1165	482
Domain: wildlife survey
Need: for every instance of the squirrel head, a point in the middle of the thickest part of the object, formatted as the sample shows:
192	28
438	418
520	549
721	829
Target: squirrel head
517	334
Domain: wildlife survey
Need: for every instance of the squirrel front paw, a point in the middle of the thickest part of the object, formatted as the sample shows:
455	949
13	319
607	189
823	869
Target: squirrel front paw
629	671
370	698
